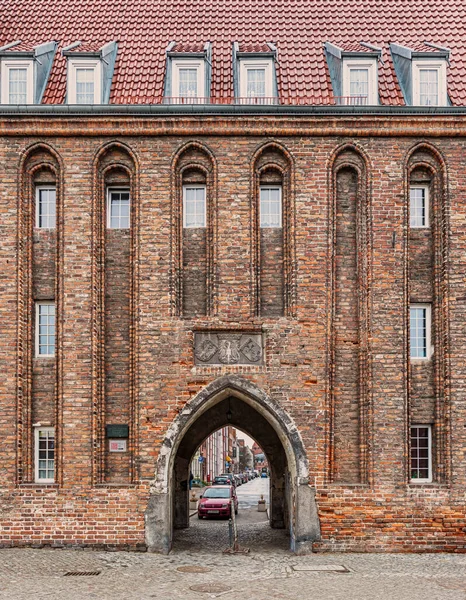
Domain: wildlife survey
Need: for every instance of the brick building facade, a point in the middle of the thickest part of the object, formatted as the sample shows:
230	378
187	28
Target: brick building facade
124	346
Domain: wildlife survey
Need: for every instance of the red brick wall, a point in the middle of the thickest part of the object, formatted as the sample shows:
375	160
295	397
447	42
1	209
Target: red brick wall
388	513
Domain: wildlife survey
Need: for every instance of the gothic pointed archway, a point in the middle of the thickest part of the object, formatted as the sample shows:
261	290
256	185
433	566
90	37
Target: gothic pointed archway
233	400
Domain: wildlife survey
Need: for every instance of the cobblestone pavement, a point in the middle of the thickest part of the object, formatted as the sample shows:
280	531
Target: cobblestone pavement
268	572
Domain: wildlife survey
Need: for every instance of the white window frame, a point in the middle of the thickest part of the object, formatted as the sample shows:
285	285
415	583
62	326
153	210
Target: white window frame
270	187
245	65
187	63
37	430
111	189
426	207
38	190
429	478
372	87
441	67
429	347
197	186
6	66
38	305
83	63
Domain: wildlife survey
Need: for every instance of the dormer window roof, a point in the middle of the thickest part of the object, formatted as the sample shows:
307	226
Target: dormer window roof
354	72
254	73
89	72
24	71
422	73
188	73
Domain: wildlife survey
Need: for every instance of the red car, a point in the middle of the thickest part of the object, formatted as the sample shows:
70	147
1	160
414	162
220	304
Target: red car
216	502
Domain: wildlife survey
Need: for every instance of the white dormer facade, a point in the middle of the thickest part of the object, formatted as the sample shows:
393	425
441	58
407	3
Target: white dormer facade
188	78
188	73
84	85
254	74
429	82
17	81
360	81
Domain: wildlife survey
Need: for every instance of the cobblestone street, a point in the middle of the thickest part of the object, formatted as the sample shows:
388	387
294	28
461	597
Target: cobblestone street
272	575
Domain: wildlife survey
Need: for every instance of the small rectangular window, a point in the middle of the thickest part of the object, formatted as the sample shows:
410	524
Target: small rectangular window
85	86
428	87
18	79
118	208
419	206
255	83
420	330
359	83
421	453
45	207
194	206
45	329
271	206
44	455
188	83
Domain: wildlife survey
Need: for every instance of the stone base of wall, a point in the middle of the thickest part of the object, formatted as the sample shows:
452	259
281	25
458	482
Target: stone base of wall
426	518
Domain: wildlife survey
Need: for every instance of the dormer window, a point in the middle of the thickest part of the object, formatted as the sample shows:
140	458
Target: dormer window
17	82
422	73
84	82
354	72
90	70
254	73
360	81
429	83
188	74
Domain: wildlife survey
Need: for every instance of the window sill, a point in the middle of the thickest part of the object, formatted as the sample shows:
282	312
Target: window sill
426	484
115	485
38	485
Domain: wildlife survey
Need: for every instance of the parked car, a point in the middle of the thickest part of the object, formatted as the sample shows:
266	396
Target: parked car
238	480
216	502
225	479
264	474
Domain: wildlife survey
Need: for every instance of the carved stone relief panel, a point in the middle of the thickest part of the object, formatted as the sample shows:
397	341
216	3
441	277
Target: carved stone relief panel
228	348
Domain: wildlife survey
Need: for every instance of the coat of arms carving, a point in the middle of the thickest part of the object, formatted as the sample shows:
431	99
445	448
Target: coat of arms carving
228	349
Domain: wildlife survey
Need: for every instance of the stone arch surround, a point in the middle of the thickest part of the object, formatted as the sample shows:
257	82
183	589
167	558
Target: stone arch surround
292	498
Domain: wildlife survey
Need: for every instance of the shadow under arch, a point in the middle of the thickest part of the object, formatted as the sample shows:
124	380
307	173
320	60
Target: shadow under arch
251	410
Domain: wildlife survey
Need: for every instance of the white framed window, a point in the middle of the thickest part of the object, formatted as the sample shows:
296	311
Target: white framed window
256	79
17	82
419	206
360	82
44	454
429	83
194	206
118	208
45	329
420	331
270	206
421	454
46	200
188	78
84	81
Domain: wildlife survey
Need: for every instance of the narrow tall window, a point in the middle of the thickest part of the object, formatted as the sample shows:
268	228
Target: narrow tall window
194	206
428	87
255	83
420	318
18	80
44	455
188	83
45	329
118	208
46	207
359	84
271	206
85	86
419	206
421	453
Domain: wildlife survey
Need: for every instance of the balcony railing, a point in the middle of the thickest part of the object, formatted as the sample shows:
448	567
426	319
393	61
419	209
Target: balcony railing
269	101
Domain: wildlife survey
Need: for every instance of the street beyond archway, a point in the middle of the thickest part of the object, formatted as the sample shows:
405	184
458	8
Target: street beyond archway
254	531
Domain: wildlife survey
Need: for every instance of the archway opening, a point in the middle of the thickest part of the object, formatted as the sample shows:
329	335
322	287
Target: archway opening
236	402
223	469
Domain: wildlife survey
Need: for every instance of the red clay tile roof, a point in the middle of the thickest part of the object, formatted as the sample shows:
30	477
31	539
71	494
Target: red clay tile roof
185	47
299	28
